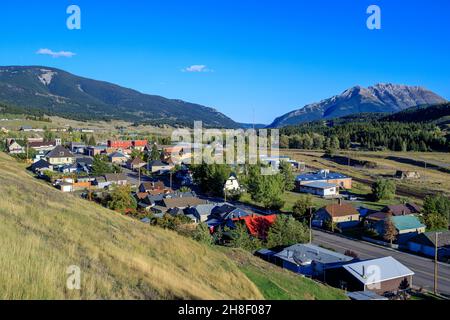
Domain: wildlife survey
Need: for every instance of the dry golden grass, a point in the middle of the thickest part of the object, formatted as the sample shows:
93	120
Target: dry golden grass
44	231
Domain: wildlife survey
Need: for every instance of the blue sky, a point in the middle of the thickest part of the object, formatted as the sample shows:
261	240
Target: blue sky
261	57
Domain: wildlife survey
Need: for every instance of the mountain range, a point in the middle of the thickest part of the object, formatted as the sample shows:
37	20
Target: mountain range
380	98
57	92
52	91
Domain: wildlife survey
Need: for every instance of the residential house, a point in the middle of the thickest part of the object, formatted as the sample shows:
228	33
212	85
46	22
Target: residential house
159	166
69	168
344	215
406	175
84	164
228	212
257	225
406	226
77	147
383	275
42	146
40	166
15	148
116	179
232	184
65	187
60	156
136	163
309	259
101	183
425	244
182	202
139	144
326	176
372	219
321	189
154	188
117	158
403	209
201	212
26	128
120	144
93	151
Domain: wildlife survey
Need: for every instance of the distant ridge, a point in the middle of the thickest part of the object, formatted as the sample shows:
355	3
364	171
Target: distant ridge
57	92
379	98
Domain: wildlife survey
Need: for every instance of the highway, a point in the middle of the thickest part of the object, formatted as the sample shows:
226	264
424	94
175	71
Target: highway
423	267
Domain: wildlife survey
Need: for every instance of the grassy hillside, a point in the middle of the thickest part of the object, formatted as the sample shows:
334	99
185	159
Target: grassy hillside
277	283
43	232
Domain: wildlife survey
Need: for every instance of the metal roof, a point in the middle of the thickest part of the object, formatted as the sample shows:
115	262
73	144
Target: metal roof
365	295
320	185
320	176
306	253
407	222
377	270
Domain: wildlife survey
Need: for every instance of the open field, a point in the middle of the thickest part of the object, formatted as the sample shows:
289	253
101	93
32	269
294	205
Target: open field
101	128
431	180
45	231
276	283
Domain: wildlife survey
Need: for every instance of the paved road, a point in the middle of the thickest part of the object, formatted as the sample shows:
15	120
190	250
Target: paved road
423	267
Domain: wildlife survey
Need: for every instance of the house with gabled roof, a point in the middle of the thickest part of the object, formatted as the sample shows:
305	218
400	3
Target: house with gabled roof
403	209
60	156
309	259
117	157
116	178
406	226
136	163
343	214
383	275
15	148
40	166
425	244
326	176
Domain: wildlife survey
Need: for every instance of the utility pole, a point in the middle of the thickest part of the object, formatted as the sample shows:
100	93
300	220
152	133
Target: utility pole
310	225
139	177
436	262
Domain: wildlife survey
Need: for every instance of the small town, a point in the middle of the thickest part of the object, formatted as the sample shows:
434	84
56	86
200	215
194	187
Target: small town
331	235
231	159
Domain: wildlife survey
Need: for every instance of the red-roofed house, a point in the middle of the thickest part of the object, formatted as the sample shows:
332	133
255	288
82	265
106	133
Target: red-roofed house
258	226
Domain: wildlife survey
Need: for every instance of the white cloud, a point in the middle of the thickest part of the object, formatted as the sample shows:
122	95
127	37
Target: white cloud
197	68
59	54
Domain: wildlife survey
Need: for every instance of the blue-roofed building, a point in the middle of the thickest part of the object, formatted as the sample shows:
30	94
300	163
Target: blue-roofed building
309	259
321	189
324	176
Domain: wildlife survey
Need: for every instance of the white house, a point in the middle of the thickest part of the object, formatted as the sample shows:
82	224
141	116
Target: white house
321	189
15	148
232	184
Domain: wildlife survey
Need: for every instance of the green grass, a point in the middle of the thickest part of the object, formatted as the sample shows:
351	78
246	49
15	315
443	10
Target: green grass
276	283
